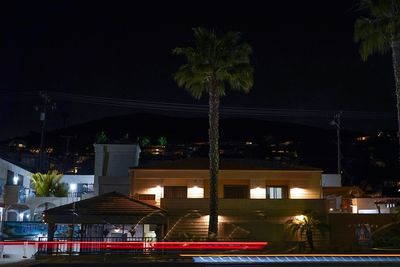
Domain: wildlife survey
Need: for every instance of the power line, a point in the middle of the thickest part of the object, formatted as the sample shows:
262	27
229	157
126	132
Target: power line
225	110
203	109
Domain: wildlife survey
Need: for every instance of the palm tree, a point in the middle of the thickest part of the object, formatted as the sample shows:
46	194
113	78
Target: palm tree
49	184
380	32
306	224
214	63
388	235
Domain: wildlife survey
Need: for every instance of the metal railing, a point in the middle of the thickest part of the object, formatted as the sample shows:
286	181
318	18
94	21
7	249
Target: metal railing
95	245
110	245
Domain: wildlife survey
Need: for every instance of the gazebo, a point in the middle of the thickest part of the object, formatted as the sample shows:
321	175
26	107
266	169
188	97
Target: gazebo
111	217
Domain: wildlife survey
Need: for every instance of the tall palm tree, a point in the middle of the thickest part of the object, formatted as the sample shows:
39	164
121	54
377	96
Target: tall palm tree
49	184
214	63
306	224
380	32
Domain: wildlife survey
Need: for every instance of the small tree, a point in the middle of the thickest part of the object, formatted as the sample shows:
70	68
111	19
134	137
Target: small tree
162	141
49	184
306	224
125	138
101	138
144	141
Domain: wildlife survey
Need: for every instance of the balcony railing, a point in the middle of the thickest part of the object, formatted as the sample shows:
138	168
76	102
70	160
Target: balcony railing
277	206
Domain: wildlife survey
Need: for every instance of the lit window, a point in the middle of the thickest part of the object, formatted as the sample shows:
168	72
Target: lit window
277	192
15	180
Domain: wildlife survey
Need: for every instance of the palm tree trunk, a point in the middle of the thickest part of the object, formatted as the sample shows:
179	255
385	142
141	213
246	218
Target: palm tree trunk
214	161
310	240
396	69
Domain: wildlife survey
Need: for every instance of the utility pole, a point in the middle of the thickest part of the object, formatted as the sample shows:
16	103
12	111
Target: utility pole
67	142
42	111
337	122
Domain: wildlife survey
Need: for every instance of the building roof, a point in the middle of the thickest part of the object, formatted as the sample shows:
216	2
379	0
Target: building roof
225	164
16	163
113	206
344	191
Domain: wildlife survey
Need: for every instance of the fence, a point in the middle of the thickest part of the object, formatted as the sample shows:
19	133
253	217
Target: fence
89	245
131	245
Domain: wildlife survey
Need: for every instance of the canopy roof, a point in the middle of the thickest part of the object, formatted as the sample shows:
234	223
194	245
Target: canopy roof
107	208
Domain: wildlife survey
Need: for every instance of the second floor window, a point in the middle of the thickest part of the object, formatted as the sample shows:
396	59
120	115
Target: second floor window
174	192
14	179
236	191
277	192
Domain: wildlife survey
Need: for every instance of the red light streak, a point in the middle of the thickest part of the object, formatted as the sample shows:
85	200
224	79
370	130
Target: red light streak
147	245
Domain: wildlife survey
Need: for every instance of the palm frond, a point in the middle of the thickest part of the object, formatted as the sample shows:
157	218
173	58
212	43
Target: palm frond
46	185
218	61
376	32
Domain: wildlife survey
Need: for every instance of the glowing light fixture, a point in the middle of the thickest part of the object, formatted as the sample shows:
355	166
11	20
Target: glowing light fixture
297	193
195	192
73	187
300	218
258	193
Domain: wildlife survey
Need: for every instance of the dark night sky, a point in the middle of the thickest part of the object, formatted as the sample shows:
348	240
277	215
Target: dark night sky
304	55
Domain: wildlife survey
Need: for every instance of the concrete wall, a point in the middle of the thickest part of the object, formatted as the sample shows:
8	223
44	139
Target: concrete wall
18	251
284	207
368	206
32	206
331	180
78	179
343	227
114	160
250	219
5	166
116	183
300	184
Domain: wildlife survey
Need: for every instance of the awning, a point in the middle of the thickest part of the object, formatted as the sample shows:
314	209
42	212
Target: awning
108	208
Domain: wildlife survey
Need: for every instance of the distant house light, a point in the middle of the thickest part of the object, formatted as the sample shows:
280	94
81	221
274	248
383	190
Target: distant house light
362	138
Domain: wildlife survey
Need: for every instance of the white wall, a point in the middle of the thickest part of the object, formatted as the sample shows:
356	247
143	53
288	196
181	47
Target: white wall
5	165
112	163
367	205
331	180
109	184
78	179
